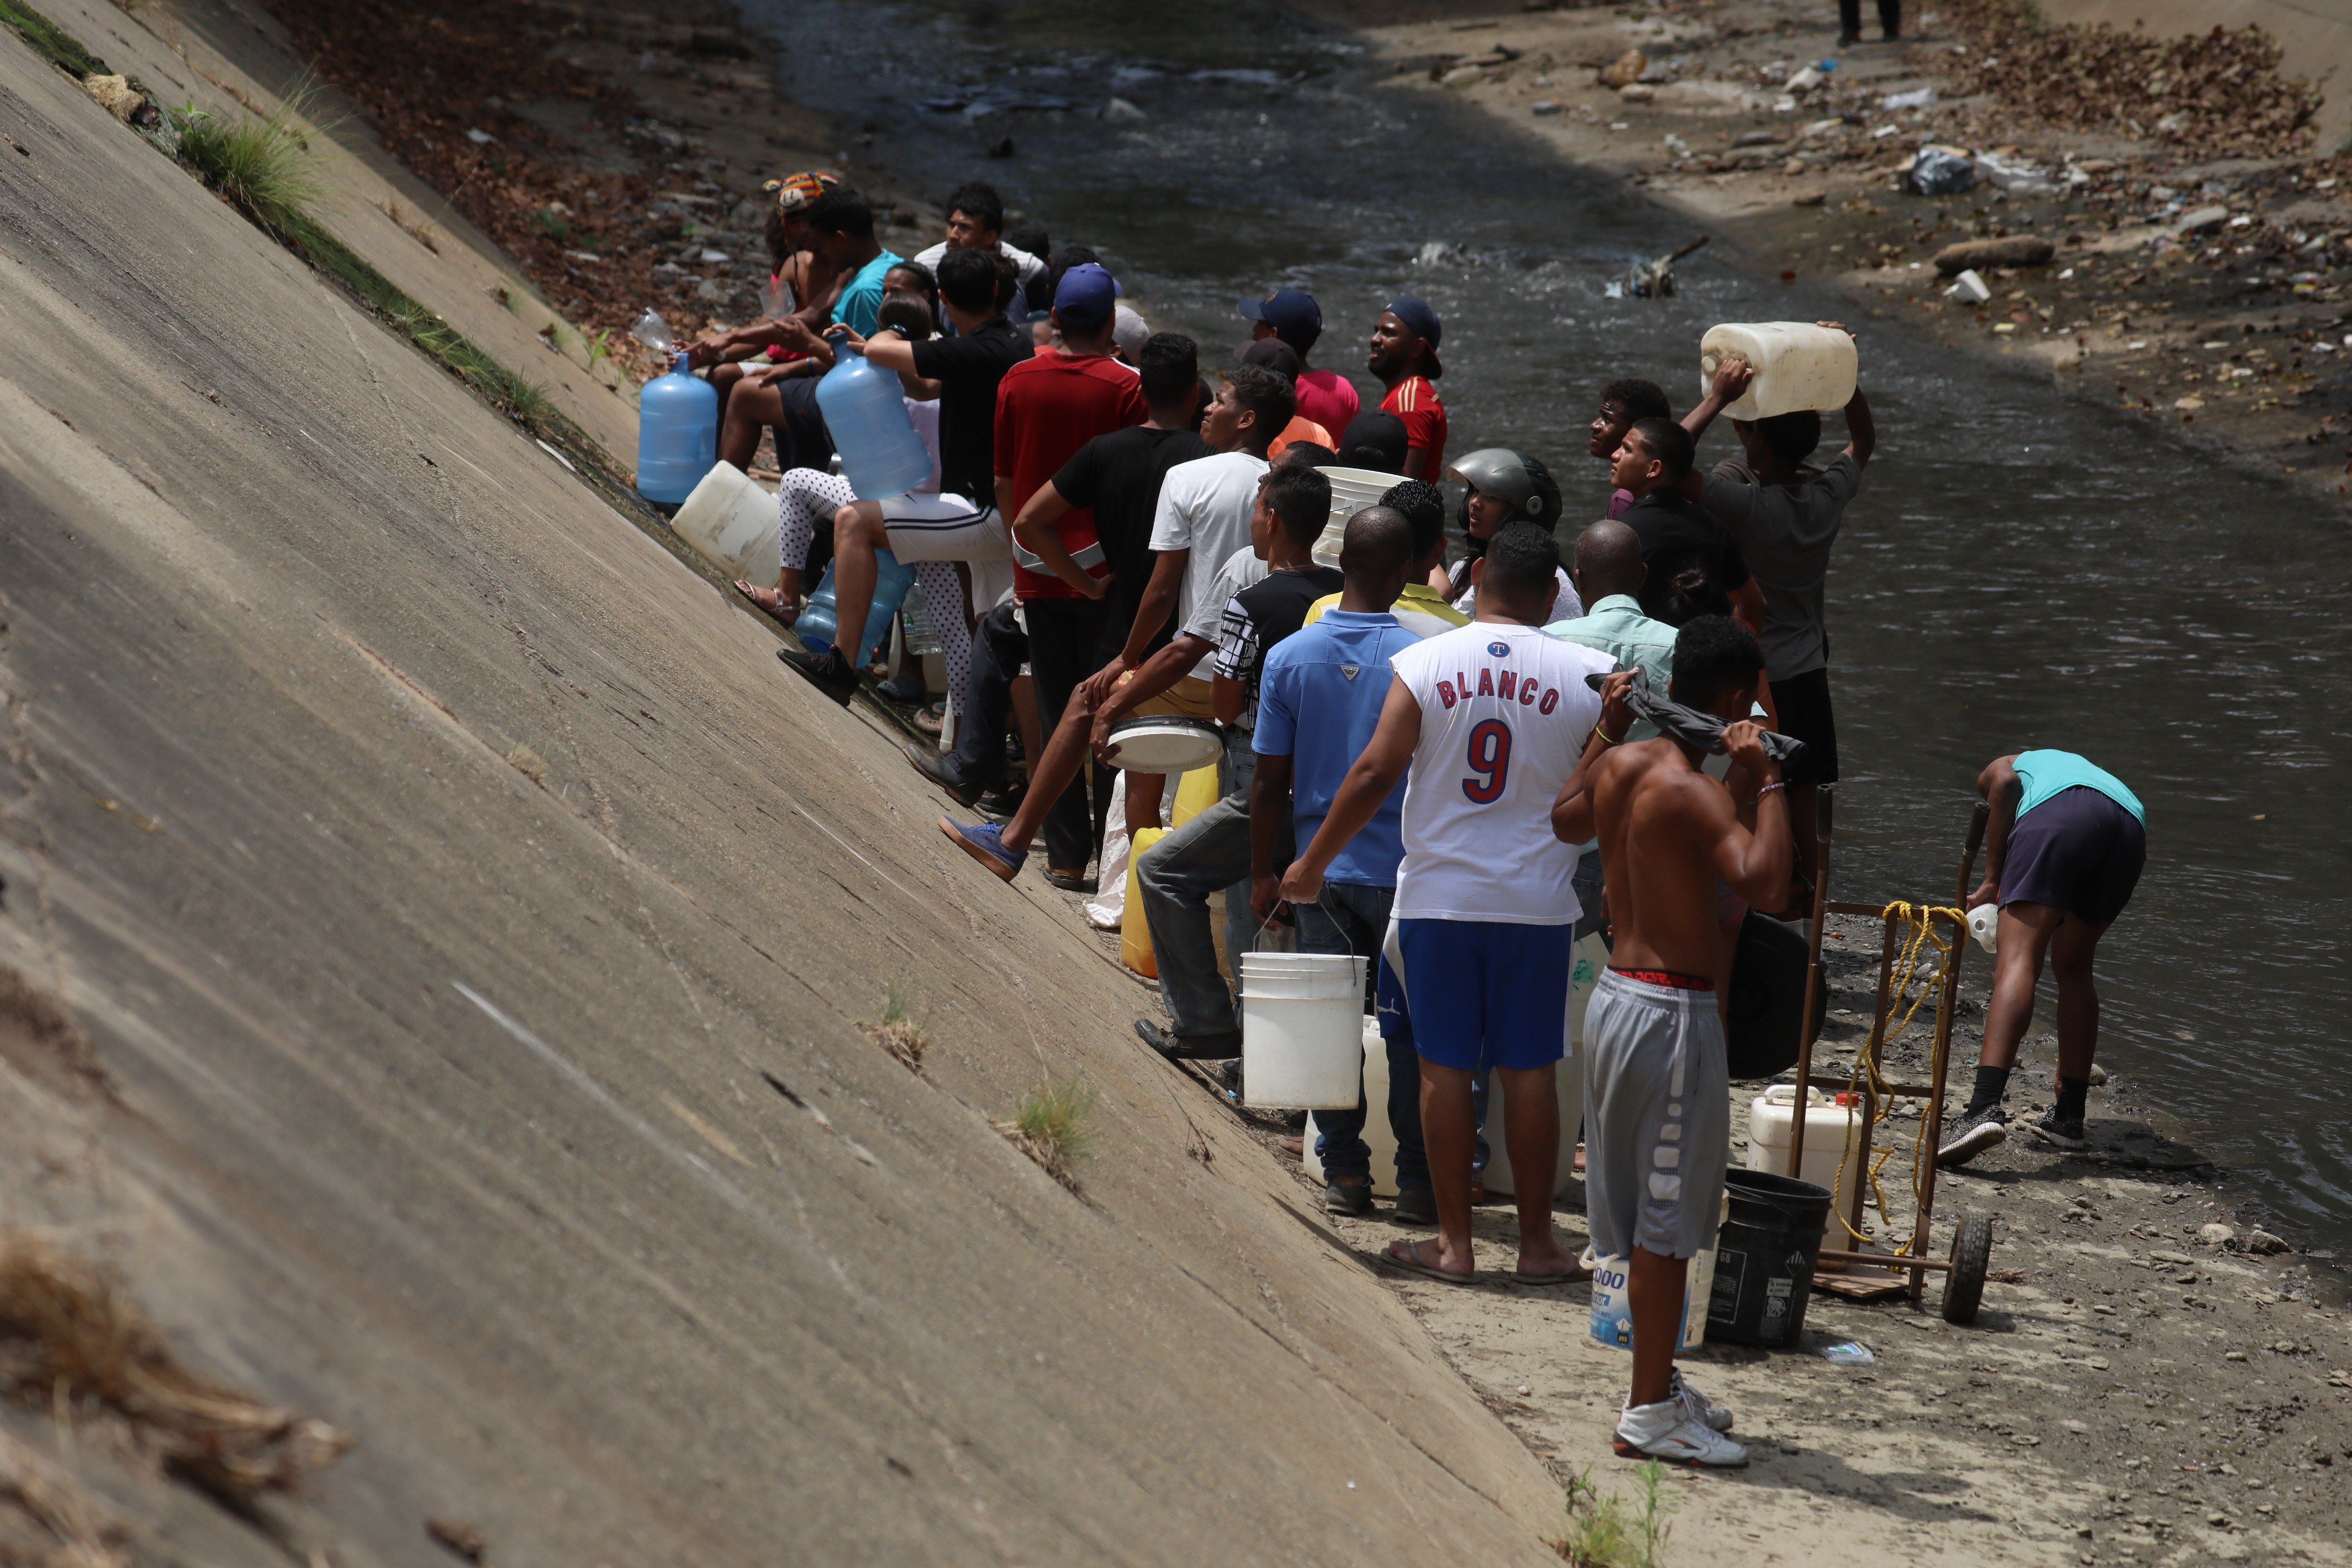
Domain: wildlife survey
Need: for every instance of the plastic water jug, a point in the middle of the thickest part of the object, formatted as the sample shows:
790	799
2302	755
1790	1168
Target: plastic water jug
731	522
1832	1138
1134	934
1797	365
865	415
1984	924
677	434
816	625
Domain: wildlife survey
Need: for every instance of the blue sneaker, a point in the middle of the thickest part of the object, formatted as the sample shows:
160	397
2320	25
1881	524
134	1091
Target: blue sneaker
984	842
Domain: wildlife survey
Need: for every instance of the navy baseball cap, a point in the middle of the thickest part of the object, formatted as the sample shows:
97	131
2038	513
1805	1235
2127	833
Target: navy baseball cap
1087	295
1288	312
1422	322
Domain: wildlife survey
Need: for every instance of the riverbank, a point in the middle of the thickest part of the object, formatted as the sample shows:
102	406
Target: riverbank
2197	267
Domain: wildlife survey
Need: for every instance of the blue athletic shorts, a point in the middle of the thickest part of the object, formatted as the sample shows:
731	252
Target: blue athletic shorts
1487	994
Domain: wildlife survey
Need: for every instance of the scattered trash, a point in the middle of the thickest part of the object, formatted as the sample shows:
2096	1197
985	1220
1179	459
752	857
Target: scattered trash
2200	218
1462	76
1852	1353
1655	279
1638	92
1809	77
1612	289
478	138
1625	69
1938	171
2017	179
1821	128
654	332
1546	106
1919	98
1120	111
1757	139
1968	289
2016	250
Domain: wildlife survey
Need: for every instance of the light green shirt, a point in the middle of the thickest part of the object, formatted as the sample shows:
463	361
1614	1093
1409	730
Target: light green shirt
1617	627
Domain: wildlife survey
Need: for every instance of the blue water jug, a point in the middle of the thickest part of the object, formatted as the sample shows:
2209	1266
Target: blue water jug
677	434
866	414
891	580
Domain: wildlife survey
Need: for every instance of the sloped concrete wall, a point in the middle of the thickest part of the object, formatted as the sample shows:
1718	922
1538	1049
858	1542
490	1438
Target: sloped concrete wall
476	922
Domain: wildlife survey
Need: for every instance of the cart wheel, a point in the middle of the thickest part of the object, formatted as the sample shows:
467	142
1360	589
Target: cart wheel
1971	1255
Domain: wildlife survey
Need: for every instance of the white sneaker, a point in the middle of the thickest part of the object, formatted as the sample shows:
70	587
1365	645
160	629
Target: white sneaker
1698	1406
1664	1431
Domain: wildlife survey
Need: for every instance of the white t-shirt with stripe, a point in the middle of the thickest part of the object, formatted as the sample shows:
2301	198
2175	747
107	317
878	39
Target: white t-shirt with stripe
1505	713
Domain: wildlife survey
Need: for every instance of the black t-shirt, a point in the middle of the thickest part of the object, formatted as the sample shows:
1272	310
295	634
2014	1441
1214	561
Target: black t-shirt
1265	613
968	369
1675	536
1118	476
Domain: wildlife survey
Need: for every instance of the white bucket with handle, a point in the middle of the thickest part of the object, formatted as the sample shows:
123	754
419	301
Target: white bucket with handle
1302	1030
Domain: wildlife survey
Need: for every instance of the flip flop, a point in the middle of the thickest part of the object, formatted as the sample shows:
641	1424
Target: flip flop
1412	1264
1574	1275
751	596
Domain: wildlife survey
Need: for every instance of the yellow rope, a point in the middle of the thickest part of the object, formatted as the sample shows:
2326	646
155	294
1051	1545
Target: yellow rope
1921	919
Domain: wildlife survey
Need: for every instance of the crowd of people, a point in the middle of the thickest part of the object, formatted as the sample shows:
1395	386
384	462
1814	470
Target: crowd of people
1454	754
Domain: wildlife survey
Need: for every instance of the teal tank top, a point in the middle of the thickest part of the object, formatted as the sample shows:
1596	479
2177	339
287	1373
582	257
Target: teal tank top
2044	773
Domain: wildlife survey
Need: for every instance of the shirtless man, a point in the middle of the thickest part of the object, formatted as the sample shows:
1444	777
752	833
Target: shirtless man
1658	1113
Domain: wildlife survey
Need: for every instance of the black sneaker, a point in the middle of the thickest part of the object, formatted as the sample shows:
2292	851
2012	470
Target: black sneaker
2066	1131
1415	1205
1349	1196
942	771
1970	1133
1000	805
830	671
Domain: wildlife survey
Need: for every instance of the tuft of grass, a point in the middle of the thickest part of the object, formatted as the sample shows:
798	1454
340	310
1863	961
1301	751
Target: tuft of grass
1604	1533
529	764
898	1034
260	163
1053	1126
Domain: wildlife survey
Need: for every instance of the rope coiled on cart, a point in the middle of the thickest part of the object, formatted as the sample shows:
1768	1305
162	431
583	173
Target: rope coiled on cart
1921	919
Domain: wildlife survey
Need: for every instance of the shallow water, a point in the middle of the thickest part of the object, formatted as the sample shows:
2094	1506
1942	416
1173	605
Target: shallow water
2018	571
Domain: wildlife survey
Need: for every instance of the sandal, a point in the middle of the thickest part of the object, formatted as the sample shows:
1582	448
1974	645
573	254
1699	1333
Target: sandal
769	602
1411	1261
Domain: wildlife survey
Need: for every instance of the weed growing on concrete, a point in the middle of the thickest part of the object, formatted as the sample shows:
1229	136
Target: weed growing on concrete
49	40
413	224
1602	1533
898	1034
1053	1126
261	164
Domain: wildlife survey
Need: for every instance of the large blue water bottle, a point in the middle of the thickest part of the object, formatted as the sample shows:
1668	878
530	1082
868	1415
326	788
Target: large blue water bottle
677	434
817	624
866	414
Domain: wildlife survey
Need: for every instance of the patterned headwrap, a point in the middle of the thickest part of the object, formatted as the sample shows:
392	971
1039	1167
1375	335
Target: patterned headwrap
795	192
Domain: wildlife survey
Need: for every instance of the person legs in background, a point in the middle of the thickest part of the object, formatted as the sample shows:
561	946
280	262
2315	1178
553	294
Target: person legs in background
1890	20
1208	855
1066	638
807	498
1353	919
938	529
976	767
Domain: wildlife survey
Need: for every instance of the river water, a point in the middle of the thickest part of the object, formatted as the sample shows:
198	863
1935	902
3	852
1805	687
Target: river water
2020	570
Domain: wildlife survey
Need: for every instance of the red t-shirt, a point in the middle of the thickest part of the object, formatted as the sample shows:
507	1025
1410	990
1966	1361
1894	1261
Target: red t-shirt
1326	397
1046	408
1415	401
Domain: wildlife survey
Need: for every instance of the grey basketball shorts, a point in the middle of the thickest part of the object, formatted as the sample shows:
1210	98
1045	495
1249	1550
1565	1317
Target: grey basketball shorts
1658	1117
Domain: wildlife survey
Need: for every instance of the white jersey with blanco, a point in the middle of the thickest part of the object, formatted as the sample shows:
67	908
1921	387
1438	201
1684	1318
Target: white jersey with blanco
1505	713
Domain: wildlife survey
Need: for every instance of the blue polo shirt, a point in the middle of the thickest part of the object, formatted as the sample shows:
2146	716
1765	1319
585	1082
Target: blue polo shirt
1319	700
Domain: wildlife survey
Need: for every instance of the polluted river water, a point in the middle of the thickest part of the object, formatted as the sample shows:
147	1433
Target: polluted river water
2020	569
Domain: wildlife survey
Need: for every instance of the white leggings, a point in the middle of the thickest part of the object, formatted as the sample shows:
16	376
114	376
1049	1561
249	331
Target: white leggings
811	493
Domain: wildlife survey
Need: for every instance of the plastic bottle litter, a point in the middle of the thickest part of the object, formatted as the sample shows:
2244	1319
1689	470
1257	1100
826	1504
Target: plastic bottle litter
654	332
1918	98
1853	1353
1939	172
1984	924
677	434
1797	365
866	413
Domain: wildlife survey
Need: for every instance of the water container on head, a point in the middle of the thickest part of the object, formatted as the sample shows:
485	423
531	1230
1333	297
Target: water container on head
865	415
1797	365
818	627
677	434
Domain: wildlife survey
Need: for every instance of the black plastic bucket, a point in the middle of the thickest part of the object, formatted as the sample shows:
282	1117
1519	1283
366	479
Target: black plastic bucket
1764	1258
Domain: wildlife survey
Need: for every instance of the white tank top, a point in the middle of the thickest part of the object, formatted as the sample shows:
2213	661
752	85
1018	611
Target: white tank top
1505	713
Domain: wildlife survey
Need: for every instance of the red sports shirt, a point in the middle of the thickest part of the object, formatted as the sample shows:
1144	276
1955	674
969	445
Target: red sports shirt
1046	408
1415	401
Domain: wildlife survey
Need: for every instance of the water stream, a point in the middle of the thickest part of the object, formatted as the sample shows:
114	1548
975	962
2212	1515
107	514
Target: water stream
2020	569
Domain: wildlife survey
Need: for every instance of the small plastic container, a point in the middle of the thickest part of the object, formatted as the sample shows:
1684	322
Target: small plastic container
1797	365
1984	924
1302	1030
866	414
677	434
1832	1138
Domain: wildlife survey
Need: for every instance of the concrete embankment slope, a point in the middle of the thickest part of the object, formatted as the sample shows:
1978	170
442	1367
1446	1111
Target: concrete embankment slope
474	924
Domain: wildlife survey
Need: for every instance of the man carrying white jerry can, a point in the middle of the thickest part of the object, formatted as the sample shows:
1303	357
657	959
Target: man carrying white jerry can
1658	1120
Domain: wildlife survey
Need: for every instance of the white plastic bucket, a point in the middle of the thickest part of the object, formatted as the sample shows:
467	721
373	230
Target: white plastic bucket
1797	365
732	522
1302	1030
1352	490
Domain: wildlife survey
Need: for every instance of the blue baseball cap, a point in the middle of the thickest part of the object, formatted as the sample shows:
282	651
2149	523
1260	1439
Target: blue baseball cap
1087	295
1422	322
1288	312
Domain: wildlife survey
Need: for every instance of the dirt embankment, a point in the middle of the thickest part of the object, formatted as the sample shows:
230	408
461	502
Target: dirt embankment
2198	236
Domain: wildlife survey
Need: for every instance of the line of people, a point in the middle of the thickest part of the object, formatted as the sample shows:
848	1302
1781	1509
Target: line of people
1452	757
